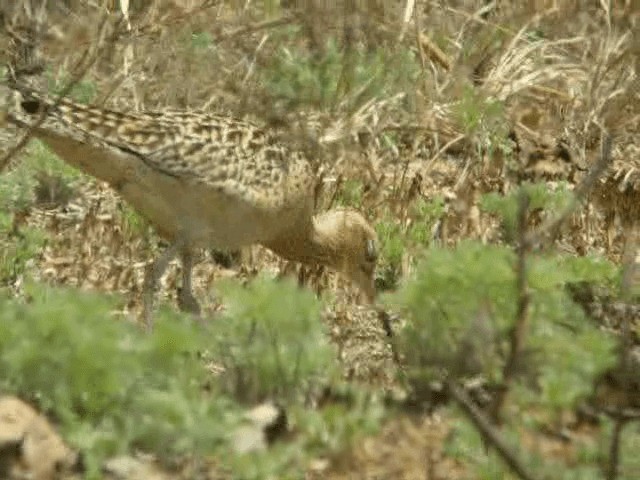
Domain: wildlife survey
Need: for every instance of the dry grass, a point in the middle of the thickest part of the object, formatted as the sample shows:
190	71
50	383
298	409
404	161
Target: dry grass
560	82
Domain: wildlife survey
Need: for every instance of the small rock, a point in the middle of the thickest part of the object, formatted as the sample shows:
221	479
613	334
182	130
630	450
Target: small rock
265	423
132	468
29	446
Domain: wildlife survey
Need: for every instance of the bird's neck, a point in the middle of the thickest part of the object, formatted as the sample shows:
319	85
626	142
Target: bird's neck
311	243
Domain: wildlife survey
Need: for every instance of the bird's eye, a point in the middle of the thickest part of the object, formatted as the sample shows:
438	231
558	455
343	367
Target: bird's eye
371	254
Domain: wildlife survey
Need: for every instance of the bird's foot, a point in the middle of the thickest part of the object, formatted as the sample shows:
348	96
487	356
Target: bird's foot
188	303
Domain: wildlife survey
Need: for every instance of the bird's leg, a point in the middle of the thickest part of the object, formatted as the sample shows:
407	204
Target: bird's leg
186	300
152	276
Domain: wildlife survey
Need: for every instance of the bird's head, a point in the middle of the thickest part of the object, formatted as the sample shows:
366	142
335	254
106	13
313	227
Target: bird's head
351	247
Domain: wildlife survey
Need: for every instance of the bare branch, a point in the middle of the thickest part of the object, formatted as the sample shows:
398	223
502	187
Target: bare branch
88	58
488	431
550	229
519	330
612	468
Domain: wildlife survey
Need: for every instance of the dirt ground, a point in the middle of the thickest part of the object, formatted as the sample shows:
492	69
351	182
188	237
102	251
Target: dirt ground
92	245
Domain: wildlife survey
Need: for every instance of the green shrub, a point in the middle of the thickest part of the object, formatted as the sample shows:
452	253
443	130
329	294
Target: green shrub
541	199
83	90
16	249
109	385
271	342
319	433
297	77
462	305
18	186
396	239
350	195
482	119
113	388
461	308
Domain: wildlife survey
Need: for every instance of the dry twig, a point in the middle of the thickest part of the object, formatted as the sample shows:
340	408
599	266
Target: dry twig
519	331
83	65
488	432
612	469
550	229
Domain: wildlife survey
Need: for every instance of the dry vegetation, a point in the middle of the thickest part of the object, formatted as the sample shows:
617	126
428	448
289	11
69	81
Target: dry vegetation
498	93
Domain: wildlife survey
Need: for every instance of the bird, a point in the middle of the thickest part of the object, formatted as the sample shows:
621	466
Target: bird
202	180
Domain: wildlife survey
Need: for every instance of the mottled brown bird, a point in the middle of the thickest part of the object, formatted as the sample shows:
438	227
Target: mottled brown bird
203	180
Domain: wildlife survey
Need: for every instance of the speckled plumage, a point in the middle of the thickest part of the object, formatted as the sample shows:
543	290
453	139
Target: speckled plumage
204	180
176	155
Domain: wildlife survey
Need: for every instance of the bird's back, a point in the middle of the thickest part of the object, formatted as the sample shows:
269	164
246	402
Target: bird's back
215	179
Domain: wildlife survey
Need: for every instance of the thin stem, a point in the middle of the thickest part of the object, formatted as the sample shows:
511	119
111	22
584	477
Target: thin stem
519	330
489	432
550	229
82	67
614	449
